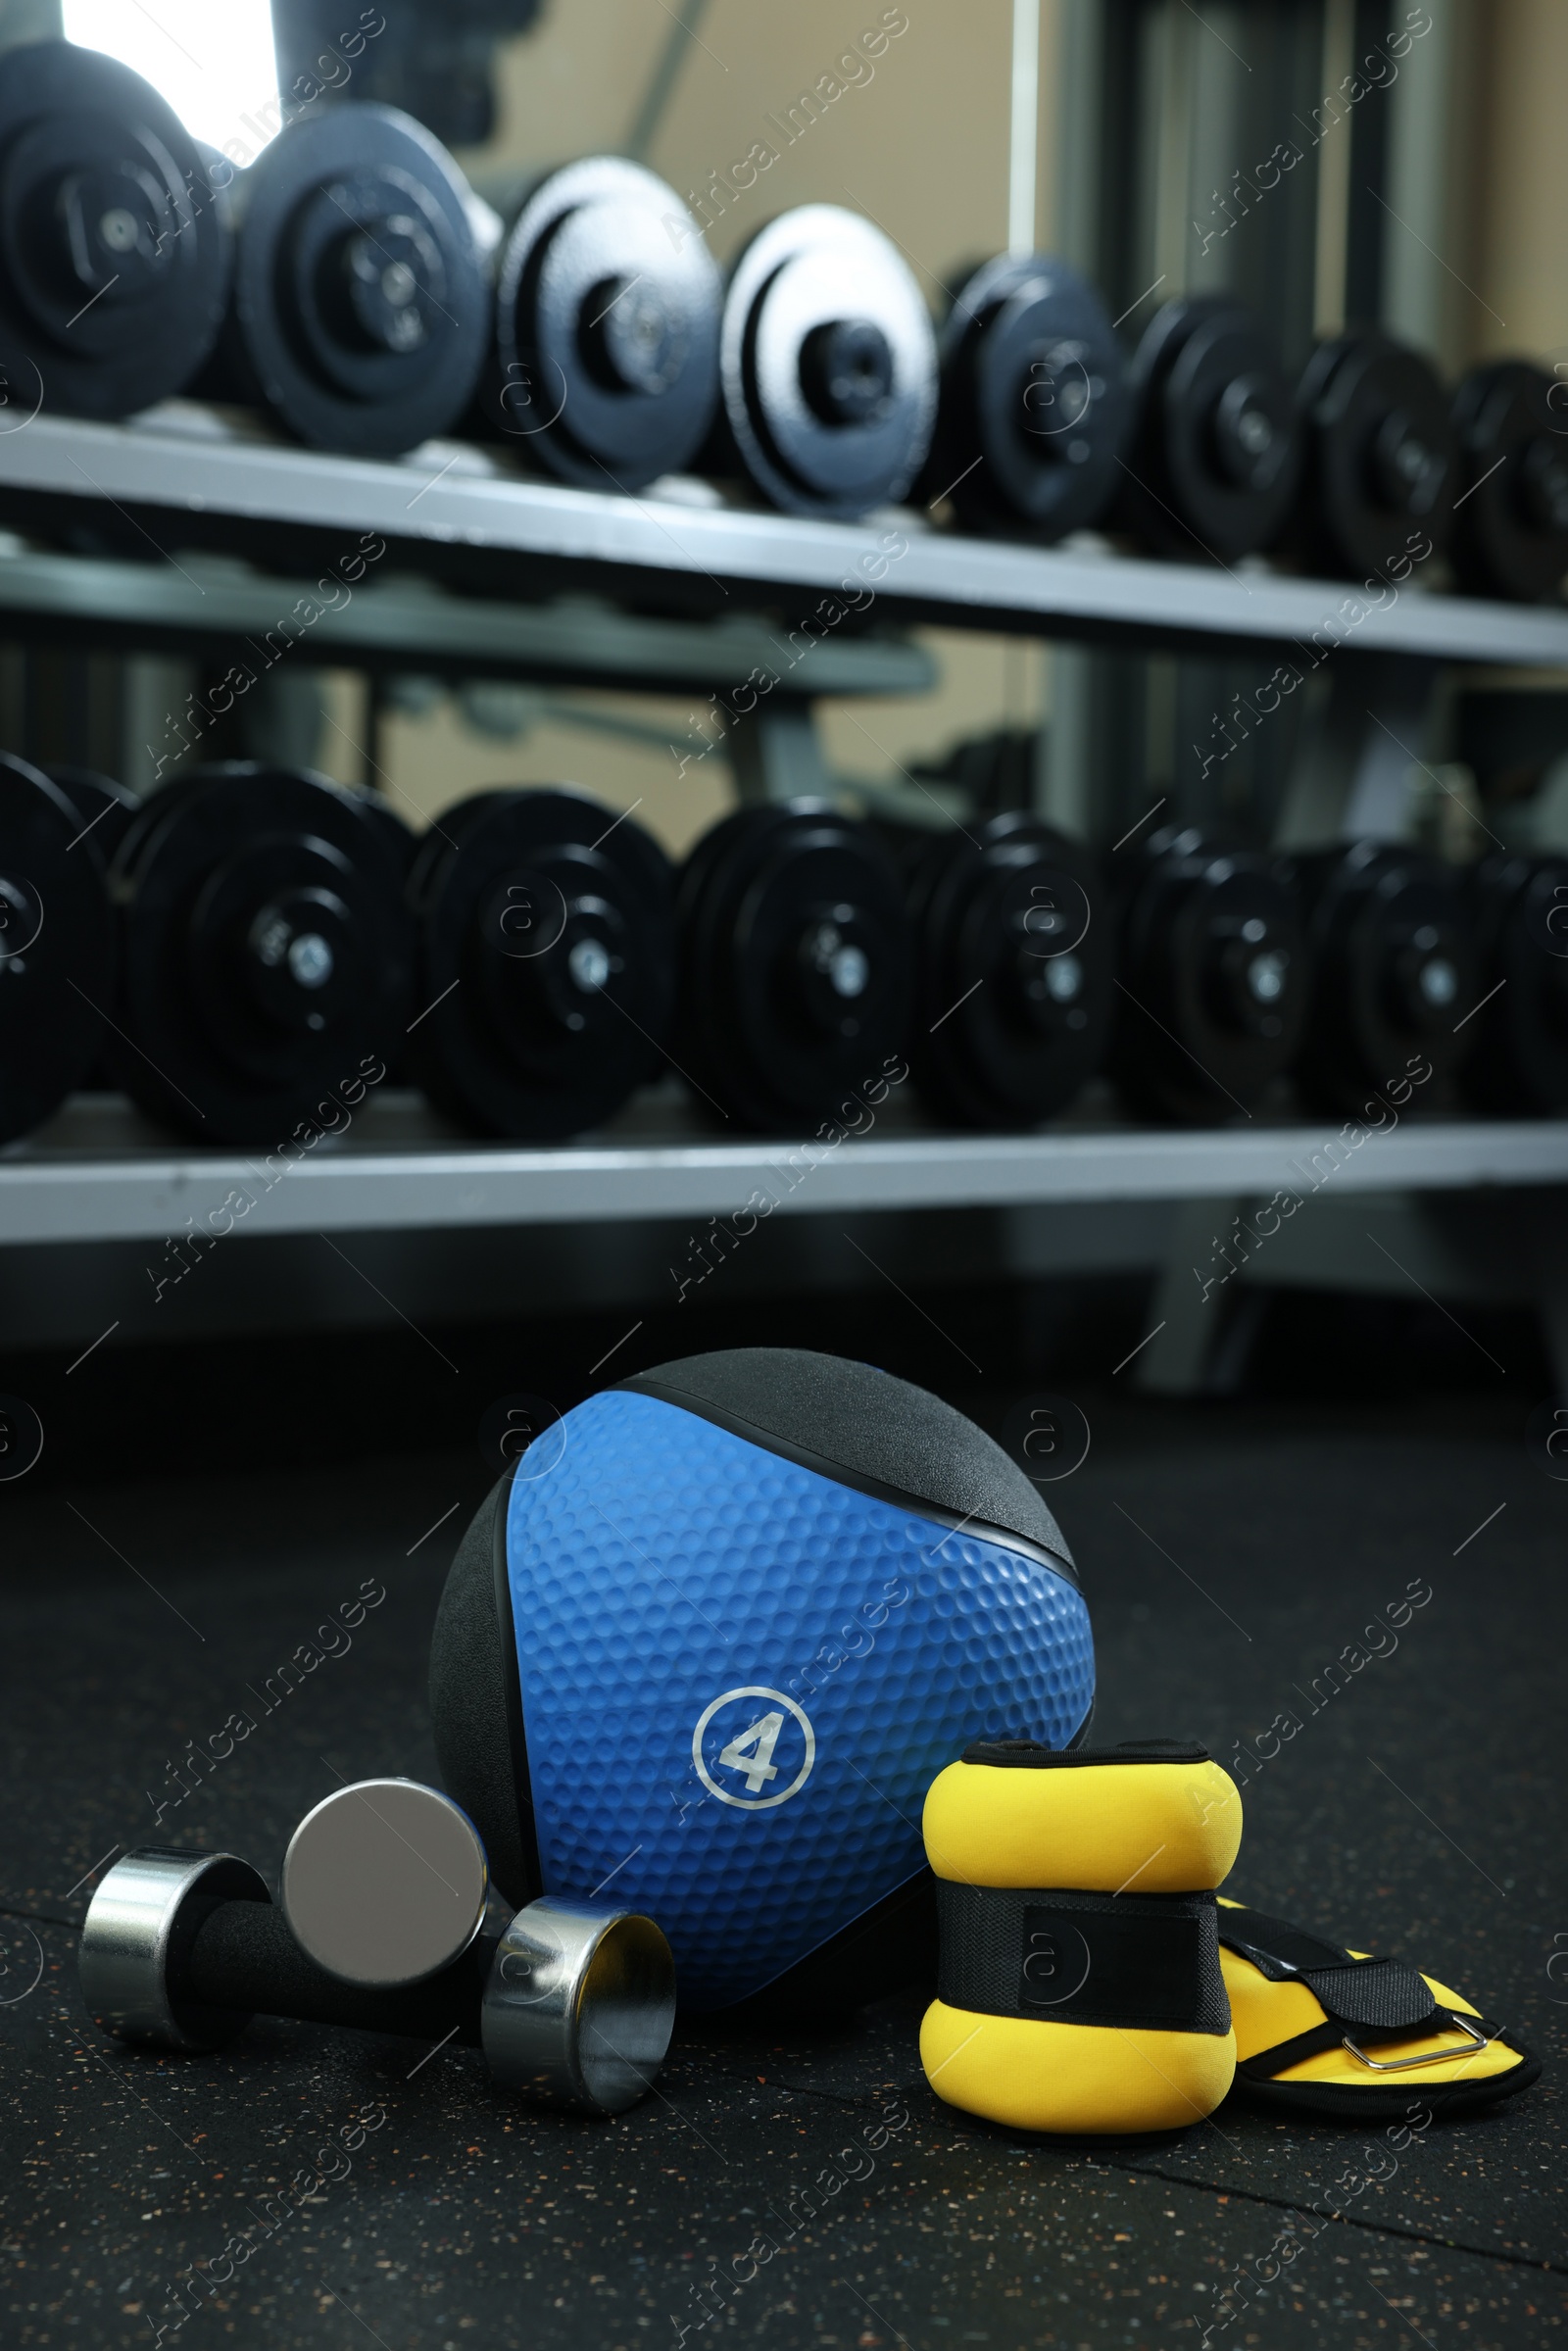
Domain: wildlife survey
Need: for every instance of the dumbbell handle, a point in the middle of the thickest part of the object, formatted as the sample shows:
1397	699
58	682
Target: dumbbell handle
244	1958
572	2001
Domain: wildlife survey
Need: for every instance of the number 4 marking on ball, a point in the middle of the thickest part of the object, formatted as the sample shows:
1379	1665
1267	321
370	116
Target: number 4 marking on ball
752	1751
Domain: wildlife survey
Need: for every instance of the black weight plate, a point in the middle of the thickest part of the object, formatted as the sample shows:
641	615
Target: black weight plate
57	956
1395	972
104	814
401	844
1510	534
547	963
399	838
1014	983
1214	989
827	365
361	306
267	954
1517	1065
795	963
608	302
1217	447
113	259
1382	468
1035	407
104	807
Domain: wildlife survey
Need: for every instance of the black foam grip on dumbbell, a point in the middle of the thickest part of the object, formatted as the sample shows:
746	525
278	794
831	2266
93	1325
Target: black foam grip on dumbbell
244	1958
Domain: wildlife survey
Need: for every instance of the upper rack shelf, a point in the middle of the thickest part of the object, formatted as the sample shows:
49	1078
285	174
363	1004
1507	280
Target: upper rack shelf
184	475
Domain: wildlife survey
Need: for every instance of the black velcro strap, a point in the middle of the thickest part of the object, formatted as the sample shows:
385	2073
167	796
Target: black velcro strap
1385	1995
1128	1960
1275	1948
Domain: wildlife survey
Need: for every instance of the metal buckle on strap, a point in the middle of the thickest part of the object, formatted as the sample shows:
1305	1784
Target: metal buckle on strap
1400	2064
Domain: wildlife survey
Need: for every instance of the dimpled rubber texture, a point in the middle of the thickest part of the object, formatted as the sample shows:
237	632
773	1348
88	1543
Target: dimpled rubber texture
662	1562
862	1427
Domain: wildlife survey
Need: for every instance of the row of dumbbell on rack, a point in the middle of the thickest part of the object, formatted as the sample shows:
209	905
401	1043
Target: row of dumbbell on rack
234	950
352	283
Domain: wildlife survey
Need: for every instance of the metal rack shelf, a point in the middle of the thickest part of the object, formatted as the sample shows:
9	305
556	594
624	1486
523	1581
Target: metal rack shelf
199	476
98	1173
411	622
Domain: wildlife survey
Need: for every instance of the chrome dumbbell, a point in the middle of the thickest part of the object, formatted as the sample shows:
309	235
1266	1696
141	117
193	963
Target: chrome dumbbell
388	1924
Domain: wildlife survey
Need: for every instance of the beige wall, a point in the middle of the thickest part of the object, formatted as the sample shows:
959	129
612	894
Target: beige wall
921	144
433	759
1521	250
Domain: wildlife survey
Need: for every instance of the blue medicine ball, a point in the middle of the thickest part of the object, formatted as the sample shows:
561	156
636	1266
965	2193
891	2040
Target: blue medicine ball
707	1645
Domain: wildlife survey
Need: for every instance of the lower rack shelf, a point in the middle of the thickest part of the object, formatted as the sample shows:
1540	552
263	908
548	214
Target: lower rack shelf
98	1172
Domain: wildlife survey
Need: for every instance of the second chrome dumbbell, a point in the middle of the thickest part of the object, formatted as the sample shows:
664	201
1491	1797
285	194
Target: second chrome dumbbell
387	1924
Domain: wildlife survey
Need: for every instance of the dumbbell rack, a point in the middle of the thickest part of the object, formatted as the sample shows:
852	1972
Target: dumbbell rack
509	561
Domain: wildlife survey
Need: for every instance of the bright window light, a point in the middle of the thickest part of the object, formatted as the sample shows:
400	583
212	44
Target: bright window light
213	60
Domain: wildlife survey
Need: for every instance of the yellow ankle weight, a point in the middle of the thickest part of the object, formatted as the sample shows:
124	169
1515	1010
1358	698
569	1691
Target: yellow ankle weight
1079	1986
1336	2033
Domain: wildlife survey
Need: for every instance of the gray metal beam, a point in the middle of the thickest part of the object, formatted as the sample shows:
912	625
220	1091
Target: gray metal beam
98	1174
191	478
394	624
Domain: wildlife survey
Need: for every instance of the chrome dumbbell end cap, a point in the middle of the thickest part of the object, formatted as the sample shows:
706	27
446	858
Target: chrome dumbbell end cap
140	1924
386	1882
580	2004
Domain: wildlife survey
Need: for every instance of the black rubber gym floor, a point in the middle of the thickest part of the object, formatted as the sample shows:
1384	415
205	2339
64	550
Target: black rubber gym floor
1228	1556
